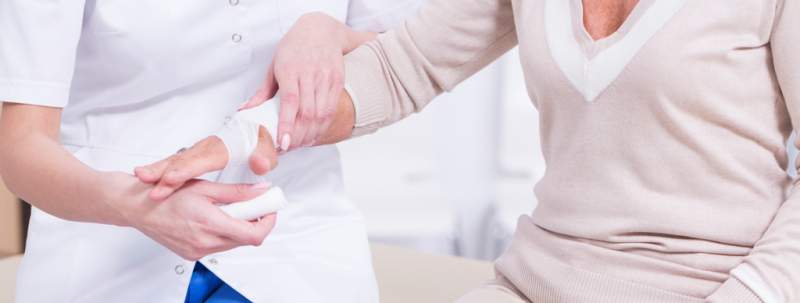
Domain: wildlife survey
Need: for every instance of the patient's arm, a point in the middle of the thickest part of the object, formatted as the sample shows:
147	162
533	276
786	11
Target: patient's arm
343	123
211	154
231	151
243	149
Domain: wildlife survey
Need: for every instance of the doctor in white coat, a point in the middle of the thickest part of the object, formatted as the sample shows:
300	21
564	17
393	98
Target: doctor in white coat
93	89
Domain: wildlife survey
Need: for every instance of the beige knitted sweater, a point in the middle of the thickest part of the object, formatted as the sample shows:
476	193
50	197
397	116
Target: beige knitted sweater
664	143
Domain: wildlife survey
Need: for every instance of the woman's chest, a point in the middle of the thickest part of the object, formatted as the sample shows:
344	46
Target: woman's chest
663	47
602	18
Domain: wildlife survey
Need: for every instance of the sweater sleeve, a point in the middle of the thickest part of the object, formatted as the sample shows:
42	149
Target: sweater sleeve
446	42
772	270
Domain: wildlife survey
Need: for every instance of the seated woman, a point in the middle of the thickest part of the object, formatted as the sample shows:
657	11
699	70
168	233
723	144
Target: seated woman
92	89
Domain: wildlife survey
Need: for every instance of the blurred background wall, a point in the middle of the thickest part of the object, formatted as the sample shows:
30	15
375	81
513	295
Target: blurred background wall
13	221
454	178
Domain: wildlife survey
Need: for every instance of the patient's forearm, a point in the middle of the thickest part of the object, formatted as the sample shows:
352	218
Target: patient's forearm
244	140
341	127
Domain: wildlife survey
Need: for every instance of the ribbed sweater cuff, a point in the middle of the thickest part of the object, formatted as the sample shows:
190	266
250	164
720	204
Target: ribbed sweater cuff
367	86
734	291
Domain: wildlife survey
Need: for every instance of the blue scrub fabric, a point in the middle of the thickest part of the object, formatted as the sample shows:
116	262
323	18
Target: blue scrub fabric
206	287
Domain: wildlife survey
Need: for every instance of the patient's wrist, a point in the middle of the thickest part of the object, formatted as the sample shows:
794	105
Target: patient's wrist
343	122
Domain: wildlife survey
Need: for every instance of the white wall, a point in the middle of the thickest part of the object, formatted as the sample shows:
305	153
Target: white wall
453	178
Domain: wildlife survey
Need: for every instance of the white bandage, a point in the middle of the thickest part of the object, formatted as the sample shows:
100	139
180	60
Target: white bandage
240	136
270	202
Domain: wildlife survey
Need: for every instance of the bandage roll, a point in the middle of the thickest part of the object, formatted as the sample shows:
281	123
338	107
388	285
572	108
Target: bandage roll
270	202
240	136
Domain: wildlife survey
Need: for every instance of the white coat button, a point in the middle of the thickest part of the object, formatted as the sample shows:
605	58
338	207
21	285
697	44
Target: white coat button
236	38
233	2
213	261
179	269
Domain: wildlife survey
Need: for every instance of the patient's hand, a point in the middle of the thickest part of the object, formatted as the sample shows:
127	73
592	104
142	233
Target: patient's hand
208	155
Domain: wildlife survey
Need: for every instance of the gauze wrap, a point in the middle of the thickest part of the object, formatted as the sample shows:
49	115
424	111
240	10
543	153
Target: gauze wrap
240	136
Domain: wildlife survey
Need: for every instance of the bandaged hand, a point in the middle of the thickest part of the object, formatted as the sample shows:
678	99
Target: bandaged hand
243	150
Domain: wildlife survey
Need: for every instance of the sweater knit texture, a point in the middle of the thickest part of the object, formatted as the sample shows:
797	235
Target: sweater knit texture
658	184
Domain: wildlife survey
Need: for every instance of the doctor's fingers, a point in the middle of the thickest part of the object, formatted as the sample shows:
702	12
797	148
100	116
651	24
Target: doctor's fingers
290	103
215	231
196	248
317	101
326	112
152	173
200	246
264	158
243	232
305	127
228	193
208	155
323	107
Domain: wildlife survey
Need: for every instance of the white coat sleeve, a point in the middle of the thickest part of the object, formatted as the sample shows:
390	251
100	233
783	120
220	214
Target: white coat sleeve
38	45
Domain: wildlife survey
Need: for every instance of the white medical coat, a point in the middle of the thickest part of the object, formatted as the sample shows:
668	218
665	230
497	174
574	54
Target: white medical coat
138	80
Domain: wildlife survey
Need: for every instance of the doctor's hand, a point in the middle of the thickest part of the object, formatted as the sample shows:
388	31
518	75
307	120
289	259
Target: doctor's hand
190	222
207	155
308	66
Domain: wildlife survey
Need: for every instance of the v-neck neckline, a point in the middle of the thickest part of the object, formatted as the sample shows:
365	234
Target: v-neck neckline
592	46
591	66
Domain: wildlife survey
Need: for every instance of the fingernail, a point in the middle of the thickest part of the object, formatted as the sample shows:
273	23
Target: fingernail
286	142
259	186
